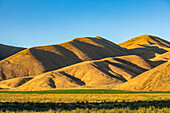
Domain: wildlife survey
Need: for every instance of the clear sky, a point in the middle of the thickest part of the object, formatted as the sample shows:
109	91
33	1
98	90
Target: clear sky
28	23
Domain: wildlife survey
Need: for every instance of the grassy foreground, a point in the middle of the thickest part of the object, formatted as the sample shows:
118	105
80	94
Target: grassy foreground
85	101
150	109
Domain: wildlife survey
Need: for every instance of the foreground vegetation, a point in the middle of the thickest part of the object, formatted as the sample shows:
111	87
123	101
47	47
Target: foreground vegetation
73	98
79	107
48	101
151	109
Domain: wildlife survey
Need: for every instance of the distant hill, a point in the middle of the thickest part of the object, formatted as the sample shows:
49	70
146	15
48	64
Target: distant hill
146	46
37	60
112	70
156	79
6	51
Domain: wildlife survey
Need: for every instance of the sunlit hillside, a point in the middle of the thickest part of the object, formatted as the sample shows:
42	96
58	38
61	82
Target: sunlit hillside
146	46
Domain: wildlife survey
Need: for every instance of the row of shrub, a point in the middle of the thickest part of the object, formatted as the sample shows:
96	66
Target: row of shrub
151	109
30	106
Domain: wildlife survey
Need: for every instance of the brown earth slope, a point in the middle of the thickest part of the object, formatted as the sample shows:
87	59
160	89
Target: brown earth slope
107	71
156	79
15	82
6	51
37	60
146	46
162	57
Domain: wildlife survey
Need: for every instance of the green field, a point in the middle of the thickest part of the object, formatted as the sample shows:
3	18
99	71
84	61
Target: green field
84	101
82	91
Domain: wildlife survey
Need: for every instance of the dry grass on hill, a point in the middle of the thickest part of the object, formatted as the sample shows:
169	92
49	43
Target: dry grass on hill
156	79
146	46
162	57
15	82
37	60
89	63
113	70
6	51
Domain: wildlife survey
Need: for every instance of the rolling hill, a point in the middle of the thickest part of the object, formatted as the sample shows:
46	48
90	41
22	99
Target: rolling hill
15	82
37	60
146	46
107	71
156	79
6	51
140	64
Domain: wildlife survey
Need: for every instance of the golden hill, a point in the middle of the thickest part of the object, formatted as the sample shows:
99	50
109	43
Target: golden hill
156	79
15	82
162	57
6	51
146	46
107	71
37	60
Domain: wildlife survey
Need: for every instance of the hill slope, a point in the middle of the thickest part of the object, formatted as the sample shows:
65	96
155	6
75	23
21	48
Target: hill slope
37	60
6	51
146	46
162	57
156	79
15	82
113	70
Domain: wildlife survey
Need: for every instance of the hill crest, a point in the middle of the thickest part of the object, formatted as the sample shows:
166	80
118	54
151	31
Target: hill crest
144	40
146	46
6	50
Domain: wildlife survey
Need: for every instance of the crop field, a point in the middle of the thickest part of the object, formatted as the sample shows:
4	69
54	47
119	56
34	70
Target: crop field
84	100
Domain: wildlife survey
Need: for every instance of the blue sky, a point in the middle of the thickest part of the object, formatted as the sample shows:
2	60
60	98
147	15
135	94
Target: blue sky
28	23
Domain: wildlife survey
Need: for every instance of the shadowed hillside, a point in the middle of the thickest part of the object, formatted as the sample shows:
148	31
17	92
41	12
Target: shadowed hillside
37	60
146	46
90	63
6	51
15	82
165	57
159	59
156	79
113	70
